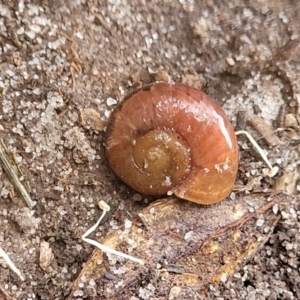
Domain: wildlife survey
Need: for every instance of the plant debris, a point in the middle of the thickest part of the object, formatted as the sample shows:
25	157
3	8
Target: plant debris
14	173
206	243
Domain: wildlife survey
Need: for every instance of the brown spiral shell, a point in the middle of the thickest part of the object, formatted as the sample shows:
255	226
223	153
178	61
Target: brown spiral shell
171	138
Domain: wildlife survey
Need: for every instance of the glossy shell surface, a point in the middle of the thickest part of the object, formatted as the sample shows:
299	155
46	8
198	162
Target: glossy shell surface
200	124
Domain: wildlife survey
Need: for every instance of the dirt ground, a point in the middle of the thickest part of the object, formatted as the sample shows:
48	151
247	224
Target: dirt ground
61	57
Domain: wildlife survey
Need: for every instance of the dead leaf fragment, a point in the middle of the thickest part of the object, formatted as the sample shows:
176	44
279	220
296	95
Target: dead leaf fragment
287	182
207	243
291	121
90	119
46	255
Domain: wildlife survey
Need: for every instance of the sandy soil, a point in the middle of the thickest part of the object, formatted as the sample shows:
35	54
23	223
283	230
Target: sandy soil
61	57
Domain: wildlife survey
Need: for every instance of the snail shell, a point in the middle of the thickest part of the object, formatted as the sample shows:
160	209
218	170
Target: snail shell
171	138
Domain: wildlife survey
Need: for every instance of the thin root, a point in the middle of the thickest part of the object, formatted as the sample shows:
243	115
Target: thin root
273	170
11	265
105	207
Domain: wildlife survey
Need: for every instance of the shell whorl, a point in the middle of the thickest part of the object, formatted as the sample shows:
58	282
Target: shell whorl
173	138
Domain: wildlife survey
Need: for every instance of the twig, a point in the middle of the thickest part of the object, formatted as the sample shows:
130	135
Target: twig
103	23
8	166
265	130
105	207
5	293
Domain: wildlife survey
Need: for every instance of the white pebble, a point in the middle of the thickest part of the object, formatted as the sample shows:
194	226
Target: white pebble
260	222
275	209
30	34
111	101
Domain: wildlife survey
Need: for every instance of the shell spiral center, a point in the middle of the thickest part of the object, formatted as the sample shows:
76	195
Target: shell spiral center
163	157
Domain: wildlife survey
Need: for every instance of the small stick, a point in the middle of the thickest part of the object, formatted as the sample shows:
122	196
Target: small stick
104	24
5	293
12	266
265	130
105	207
8	166
273	170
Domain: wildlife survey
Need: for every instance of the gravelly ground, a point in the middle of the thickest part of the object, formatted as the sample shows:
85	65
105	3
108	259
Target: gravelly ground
59	57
